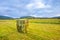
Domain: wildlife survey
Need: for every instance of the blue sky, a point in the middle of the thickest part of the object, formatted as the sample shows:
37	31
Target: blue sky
36	8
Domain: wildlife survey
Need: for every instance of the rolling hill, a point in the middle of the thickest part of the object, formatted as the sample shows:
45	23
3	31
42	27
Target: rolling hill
28	17
57	17
5	17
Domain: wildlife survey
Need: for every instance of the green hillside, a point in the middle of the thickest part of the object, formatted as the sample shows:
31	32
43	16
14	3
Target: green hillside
5	17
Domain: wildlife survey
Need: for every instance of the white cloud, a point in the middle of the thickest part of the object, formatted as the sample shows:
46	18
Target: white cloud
36	16
29	6
9	16
2	8
57	15
37	4
6	15
48	11
41	5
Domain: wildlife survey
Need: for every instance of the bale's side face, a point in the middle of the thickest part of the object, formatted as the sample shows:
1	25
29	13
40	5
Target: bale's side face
22	25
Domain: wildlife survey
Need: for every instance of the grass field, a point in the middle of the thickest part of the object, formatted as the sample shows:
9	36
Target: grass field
38	29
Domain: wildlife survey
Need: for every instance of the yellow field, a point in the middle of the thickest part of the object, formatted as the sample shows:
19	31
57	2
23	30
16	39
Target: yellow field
38	29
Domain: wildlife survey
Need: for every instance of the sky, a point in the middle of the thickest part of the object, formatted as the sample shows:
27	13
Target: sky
36	8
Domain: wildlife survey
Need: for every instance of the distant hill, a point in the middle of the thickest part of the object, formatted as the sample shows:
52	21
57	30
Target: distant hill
27	17
31	17
5	17
57	17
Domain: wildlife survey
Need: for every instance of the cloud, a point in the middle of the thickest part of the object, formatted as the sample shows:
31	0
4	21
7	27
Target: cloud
37	8
9	16
6	9
48	11
37	4
57	15
37	15
6	15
